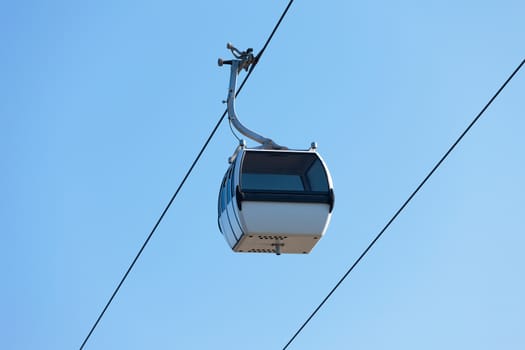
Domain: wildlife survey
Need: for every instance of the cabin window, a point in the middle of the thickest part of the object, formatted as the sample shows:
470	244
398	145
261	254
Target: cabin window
222	195
278	182
229	187
232	182
283	172
316	177
224	201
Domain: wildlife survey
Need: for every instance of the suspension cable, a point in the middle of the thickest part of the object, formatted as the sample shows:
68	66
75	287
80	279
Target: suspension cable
184	179
438	164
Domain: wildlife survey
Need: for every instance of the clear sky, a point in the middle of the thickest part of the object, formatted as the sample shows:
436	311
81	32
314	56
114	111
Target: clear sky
105	104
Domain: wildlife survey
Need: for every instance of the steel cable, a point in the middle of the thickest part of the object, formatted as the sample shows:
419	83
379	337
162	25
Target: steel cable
438	164
183	180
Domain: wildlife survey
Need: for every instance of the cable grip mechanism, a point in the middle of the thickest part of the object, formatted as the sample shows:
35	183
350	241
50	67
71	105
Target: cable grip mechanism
245	58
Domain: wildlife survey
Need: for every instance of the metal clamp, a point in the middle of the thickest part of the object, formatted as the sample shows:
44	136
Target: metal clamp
246	58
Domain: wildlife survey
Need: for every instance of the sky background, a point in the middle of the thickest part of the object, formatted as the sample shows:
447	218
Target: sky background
105	104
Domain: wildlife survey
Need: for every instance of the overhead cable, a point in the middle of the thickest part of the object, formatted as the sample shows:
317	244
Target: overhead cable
438	164
183	180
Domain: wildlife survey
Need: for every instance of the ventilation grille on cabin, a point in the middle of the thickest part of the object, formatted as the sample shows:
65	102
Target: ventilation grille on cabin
258	250
274	238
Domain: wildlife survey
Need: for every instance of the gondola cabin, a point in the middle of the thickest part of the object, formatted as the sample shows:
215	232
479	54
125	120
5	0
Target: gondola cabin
275	201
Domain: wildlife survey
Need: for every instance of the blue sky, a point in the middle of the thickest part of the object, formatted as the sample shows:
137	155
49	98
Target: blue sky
105	104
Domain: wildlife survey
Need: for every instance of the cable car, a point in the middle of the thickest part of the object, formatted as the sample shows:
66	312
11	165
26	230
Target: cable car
272	199
275	201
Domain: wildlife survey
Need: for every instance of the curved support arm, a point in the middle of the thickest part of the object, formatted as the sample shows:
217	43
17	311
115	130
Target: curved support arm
236	66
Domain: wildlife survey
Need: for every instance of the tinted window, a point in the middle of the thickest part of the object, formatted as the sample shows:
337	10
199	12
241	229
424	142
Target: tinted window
228	186
283	171
232	183
280	182
222	195
317	177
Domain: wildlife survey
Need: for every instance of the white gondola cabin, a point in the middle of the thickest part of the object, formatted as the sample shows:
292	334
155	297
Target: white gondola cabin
275	201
